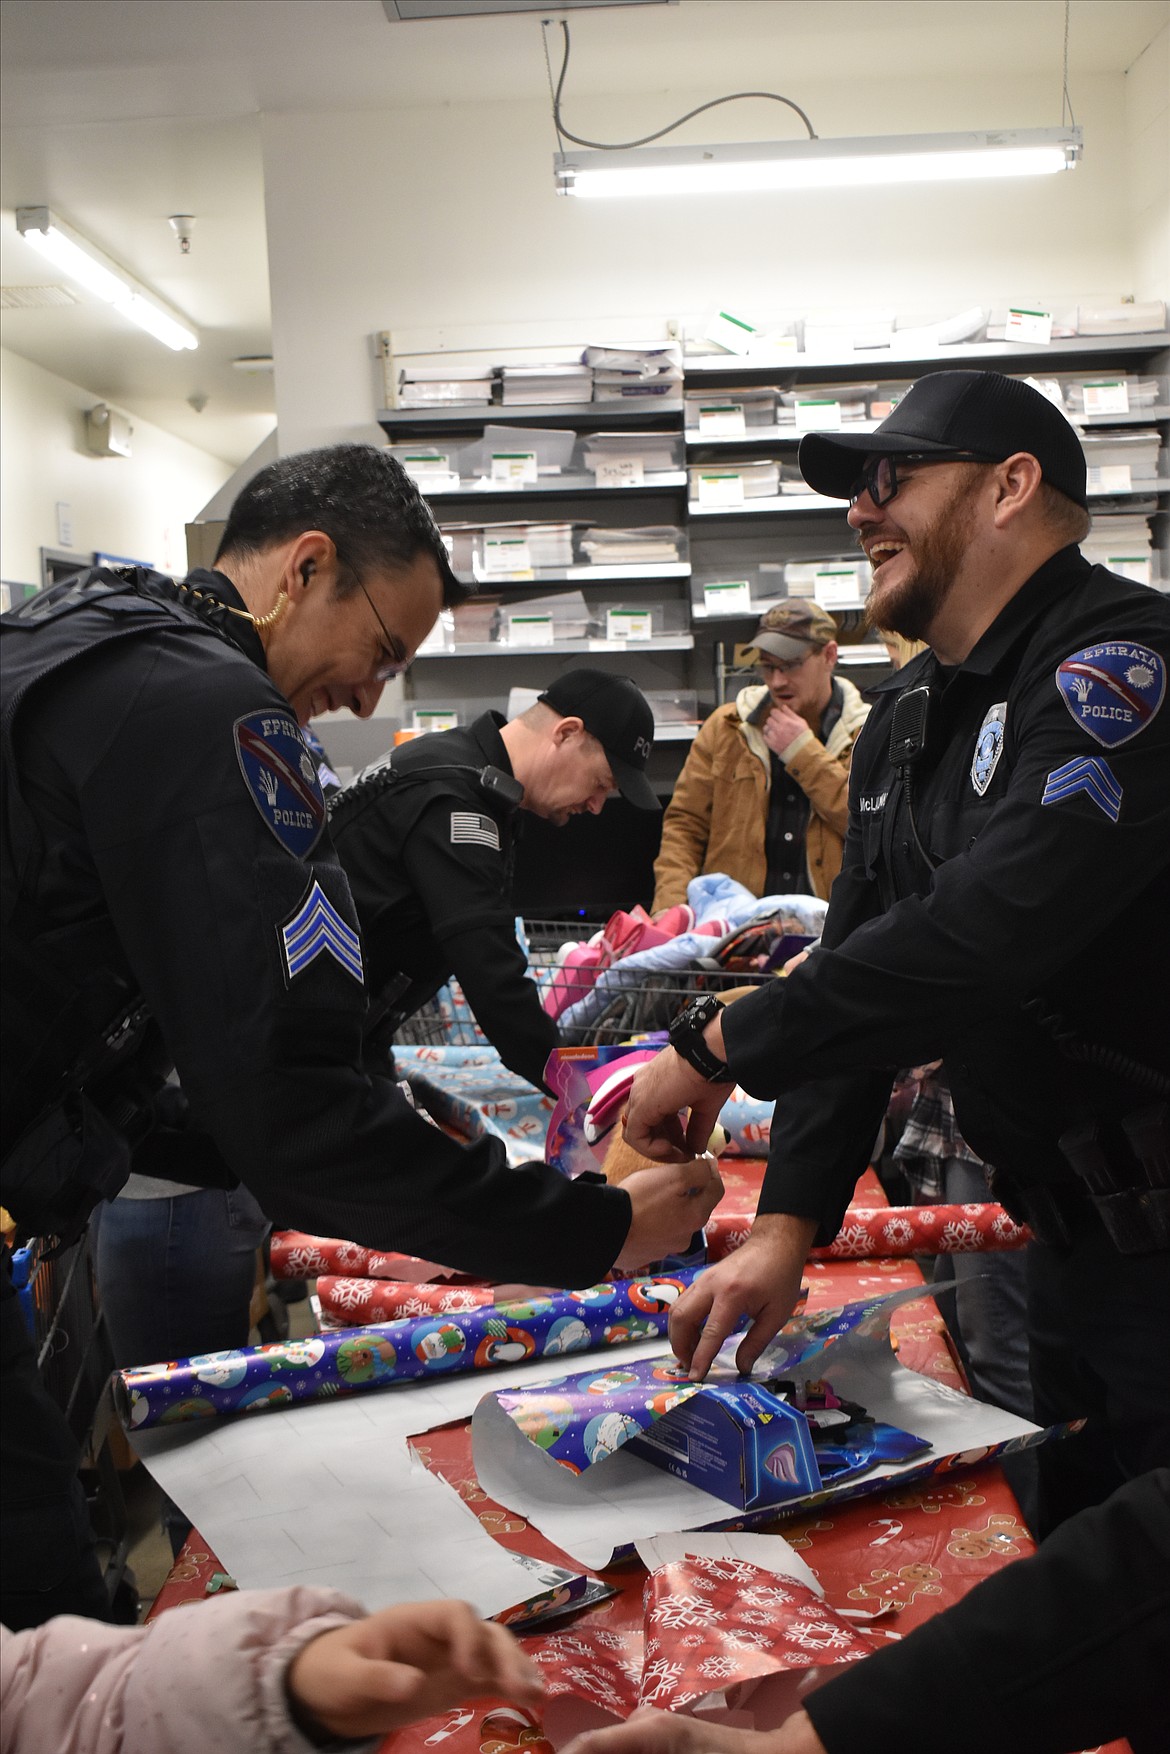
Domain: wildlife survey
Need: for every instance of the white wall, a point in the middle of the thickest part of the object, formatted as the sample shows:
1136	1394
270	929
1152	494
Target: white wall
134	506
1147	86
448	215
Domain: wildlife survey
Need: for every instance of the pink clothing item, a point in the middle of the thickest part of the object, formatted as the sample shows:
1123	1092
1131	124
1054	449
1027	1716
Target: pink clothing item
206	1676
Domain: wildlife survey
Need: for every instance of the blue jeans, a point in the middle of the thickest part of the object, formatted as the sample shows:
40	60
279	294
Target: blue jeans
175	1275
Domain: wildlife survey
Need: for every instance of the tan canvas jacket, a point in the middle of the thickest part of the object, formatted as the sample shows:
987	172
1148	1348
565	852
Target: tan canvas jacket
715	820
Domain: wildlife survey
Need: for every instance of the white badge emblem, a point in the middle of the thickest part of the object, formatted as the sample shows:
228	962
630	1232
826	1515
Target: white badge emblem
988	748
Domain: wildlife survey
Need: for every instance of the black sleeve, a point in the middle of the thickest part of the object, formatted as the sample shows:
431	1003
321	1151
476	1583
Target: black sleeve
460	877
198	888
900	986
1067	1649
823	1130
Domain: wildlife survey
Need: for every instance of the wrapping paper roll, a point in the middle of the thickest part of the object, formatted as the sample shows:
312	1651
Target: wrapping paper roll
893	1231
257	1379
345	1301
296	1255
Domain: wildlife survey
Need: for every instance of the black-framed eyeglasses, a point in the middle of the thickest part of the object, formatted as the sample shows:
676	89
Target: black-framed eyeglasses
398	661
880	478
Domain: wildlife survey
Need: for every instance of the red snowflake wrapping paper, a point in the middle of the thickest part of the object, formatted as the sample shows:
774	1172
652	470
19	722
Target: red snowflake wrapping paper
890	1231
296	1255
345	1301
710	1627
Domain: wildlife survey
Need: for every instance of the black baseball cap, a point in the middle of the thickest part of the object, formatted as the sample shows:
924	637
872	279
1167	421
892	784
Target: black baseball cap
985	413
615	711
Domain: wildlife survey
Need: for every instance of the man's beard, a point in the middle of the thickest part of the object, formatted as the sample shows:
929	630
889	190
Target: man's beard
911	606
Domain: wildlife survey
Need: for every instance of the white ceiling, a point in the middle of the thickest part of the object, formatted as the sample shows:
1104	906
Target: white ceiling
187	81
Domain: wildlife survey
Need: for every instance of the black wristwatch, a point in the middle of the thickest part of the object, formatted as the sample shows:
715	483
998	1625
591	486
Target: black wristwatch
686	1038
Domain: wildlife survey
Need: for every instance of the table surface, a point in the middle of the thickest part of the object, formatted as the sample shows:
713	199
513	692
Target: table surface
920	1548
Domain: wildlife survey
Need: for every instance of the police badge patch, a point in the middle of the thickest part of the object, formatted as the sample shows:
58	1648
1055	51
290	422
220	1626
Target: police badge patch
988	748
281	778
1112	690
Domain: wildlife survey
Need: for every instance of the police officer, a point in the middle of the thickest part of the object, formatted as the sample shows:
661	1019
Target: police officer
427	836
1003	906
170	897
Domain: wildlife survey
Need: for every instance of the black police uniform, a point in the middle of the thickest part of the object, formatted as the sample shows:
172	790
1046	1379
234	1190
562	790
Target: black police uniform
170	895
1035	959
427	842
1066	1649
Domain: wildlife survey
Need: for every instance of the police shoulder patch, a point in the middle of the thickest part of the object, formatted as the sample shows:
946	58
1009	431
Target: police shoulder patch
281	778
317	929
469	828
1113	689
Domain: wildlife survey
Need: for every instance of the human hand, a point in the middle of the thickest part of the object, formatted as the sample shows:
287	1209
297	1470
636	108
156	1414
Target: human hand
671	1732
406	1663
662	1087
671	1201
760	1280
782	727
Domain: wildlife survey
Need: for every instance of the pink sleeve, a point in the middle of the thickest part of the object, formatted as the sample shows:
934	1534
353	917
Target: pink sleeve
208	1675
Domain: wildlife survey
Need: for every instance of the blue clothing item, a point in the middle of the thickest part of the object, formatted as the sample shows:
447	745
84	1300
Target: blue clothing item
175	1275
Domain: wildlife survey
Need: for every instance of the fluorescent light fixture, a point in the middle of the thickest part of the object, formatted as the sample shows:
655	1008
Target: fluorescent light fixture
93	269
875	161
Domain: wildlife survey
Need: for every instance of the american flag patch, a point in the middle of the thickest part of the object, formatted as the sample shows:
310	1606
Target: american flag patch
470	829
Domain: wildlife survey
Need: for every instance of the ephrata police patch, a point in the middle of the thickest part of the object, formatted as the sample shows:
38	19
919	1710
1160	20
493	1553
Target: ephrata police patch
1113	690
281	778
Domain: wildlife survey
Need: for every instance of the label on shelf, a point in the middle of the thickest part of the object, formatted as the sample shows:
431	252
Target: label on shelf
731	332
728	597
530	630
723	419
1107	396
507	554
818	414
629	624
442	718
836	587
1130	566
1031	326
620	472
514	466
1110	478
726	488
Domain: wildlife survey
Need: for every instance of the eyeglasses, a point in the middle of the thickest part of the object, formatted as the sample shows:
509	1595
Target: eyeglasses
880	478
396	664
784	665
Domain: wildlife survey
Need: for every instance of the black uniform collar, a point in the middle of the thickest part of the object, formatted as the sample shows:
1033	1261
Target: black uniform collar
1049	581
212	596
486	732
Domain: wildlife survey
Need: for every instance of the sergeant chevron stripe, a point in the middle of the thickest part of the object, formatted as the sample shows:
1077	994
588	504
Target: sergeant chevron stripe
1088	774
317	929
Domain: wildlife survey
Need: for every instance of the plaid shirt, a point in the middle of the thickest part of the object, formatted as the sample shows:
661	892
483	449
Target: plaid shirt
931	1138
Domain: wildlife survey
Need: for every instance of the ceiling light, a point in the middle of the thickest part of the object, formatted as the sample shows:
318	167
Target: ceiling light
94	270
880	160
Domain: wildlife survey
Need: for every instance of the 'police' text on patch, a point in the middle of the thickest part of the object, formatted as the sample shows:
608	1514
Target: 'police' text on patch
1113	690
281	778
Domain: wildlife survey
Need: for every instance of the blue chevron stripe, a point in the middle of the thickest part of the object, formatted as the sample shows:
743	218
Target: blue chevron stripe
317	929
1091	775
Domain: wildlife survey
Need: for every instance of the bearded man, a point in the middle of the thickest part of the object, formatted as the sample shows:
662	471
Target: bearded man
1002	907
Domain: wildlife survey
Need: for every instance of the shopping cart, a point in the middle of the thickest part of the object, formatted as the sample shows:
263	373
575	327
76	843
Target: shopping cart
622	1004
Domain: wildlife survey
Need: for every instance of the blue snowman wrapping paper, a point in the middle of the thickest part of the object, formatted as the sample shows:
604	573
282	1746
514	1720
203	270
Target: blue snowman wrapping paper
258	1379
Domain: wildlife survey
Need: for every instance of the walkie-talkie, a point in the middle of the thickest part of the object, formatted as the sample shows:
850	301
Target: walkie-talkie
908	733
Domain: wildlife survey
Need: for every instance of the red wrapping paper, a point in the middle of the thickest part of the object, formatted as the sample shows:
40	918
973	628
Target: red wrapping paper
890	1232
349	1301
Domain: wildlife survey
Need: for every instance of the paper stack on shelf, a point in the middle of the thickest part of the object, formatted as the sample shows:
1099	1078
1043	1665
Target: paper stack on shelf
545	384
476	621
760	480
1122	459
709	409
635	373
1147	318
546	545
565	613
852	399
652	545
658	452
431	386
1123	544
1104	393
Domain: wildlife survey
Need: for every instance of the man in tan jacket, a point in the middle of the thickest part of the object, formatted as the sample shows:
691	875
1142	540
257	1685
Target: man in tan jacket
763	794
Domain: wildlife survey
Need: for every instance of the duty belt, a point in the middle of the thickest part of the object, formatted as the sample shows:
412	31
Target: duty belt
1126	1185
